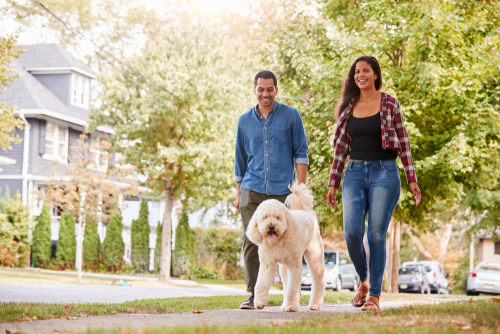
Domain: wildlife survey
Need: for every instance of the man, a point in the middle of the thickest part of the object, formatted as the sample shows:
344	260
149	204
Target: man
270	140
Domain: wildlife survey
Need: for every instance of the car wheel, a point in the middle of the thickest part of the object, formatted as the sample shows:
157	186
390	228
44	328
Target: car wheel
339	284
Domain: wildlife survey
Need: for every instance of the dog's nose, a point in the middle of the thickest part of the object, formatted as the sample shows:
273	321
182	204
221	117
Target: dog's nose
271	227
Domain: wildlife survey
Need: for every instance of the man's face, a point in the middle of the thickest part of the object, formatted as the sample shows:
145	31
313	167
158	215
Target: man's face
266	92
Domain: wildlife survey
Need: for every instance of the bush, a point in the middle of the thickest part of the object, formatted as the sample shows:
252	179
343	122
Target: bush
183	257
113	247
42	245
91	247
140	239
224	244
206	273
17	222
159	231
66	245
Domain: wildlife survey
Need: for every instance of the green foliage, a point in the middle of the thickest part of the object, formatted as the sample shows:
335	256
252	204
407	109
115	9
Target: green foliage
66	245
159	230
184	248
140	239
15	236
439	58
113	247
224	246
42	245
8	118
91	247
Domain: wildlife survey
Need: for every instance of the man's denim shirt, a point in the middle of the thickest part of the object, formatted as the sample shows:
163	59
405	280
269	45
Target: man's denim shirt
268	149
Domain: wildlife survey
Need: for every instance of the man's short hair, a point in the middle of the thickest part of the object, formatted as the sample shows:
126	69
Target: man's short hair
266	75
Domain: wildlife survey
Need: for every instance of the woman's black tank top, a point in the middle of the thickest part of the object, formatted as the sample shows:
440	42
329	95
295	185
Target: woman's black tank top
366	135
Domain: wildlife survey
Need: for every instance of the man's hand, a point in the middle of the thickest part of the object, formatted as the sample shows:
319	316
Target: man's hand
238	193
331	197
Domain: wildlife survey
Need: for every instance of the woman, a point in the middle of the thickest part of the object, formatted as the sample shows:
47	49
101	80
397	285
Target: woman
370	128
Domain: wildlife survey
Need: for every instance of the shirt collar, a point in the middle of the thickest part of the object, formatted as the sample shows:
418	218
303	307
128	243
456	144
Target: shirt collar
275	108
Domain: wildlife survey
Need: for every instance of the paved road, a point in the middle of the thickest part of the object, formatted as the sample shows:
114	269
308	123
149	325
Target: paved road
100	293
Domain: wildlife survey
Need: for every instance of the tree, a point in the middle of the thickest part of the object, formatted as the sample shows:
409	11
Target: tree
176	128
158	246
91	186
184	248
42	244
140	239
17	214
8	118
436	56
91	247
224	244
66	245
113	247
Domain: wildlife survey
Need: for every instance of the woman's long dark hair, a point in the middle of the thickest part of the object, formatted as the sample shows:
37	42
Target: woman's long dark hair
350	91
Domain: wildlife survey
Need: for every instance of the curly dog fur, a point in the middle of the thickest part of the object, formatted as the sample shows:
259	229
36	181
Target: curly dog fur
284	233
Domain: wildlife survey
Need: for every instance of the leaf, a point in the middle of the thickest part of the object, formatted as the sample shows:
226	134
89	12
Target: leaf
195	311
35	317
496	300
472	300
67	308
375	313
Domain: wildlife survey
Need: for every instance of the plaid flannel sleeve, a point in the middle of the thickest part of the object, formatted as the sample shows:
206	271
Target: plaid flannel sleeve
404	141
341	146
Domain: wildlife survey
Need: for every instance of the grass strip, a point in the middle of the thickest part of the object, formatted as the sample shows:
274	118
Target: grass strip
482	316
11	312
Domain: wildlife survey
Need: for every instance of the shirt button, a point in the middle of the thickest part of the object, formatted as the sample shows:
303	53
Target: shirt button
266	141
268	181
265	128
267	155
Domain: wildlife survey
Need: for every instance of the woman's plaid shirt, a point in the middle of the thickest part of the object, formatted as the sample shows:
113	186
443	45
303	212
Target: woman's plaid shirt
394	136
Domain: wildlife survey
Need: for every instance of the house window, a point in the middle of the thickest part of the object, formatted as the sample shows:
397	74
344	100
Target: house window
99	157
497	247
56	143
80	91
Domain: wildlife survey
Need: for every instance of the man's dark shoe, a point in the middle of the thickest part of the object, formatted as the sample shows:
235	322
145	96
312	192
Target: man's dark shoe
248	305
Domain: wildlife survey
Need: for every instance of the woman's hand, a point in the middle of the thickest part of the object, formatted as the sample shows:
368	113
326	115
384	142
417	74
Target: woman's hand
416	192
331	197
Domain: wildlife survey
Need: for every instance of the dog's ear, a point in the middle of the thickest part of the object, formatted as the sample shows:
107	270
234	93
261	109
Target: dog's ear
253	233
291	225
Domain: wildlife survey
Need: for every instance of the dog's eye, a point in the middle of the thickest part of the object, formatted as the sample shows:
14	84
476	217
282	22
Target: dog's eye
265	217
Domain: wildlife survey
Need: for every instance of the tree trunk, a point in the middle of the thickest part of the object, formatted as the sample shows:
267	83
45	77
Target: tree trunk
395	258
443	243
166	252
421	249
388	263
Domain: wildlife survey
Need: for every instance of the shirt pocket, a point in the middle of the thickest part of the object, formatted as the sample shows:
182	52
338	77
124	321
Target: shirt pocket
281	135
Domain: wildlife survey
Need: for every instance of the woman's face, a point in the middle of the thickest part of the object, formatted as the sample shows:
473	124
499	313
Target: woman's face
364	76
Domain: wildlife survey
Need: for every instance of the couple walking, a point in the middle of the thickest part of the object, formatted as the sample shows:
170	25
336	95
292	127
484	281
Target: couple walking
271	141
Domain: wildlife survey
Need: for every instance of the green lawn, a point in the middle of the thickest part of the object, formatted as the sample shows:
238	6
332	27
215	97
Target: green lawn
481	316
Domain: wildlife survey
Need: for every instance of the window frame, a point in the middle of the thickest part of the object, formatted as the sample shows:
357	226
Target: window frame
80	86
56	142
98	164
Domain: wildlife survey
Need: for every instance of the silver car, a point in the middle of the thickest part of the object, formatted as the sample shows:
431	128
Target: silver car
339	272
485	278
414	279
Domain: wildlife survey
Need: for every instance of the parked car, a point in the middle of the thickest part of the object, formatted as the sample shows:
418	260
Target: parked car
485	278
413	278
438	280
339	272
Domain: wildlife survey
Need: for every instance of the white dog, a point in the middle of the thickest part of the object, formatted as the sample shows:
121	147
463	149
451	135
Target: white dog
283	236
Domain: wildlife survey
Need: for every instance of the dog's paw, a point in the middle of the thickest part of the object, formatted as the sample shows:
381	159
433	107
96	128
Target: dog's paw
315	306
291	308
284	306
260	303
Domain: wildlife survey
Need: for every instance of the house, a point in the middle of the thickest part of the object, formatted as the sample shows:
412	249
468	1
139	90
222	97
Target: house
488	250
53	94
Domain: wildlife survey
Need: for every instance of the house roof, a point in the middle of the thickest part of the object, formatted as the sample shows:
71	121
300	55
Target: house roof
28	93
51	56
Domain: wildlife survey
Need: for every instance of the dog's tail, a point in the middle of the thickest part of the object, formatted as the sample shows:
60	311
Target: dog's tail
300	199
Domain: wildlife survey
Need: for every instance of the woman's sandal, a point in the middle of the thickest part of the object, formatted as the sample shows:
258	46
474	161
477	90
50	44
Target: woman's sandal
362	289
371	304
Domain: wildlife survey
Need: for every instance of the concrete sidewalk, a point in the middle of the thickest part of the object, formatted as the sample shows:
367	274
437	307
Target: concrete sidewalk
207	318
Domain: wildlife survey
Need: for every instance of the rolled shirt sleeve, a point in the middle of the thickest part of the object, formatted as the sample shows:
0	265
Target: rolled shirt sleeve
299	140
240	155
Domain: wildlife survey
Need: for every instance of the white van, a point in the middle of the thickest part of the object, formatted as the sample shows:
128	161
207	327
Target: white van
438	280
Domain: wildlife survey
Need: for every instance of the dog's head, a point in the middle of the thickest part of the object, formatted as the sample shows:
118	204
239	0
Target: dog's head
269	222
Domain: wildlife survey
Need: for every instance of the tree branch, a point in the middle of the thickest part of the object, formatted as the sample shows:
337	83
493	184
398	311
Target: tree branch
392	59
421	249
357	5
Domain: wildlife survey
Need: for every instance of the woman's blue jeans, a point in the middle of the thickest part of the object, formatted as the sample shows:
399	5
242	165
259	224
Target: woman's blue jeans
373	188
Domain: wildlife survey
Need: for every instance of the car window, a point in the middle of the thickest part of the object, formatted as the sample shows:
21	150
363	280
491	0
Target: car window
489	266
331	258
408	271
